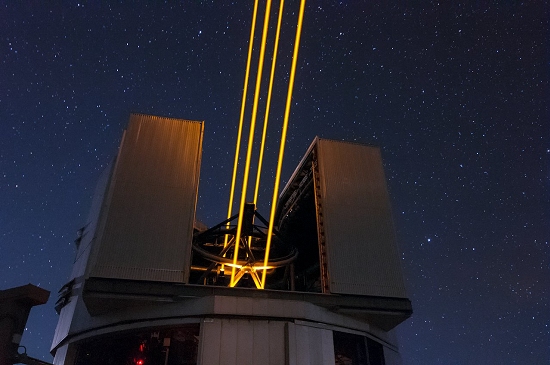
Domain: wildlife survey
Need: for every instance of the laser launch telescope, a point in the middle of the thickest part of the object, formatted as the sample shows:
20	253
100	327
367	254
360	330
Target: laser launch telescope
151	285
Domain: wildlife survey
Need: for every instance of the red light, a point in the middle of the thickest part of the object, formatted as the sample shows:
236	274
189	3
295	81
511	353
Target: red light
140	362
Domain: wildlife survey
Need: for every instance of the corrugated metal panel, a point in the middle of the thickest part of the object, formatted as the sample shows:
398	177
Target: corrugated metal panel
209	340
68	311
60	355
88	234
309	345
64	322
242	342
362	255
147	220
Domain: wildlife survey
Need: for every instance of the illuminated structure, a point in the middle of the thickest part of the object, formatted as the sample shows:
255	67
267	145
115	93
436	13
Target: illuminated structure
318	282
147	285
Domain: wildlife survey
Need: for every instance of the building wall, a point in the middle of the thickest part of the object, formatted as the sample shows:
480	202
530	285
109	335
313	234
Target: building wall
140	231
362	255
89	230
140	223
241	341
146	225
235	341
233	330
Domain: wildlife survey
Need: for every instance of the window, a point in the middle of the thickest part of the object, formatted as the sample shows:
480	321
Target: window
159	346
350	349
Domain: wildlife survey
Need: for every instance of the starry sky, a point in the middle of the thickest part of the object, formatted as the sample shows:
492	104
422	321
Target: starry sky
455	93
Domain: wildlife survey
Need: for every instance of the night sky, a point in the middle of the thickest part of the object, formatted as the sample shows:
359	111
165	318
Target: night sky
455	93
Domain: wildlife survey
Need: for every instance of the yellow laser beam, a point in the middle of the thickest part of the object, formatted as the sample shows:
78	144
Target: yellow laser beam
283	139
268	101
241	119
233	282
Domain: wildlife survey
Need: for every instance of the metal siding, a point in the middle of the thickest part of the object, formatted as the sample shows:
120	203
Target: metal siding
245	342
210	342
359	235
149	217
64	322
327	346
314	346
89	233
262	343
60	354
276	343
229	343
242	341
291	344
303	356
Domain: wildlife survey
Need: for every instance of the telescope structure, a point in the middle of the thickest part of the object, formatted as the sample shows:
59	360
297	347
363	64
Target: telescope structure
150	285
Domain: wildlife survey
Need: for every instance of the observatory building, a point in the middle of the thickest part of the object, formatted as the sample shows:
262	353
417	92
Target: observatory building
152	286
